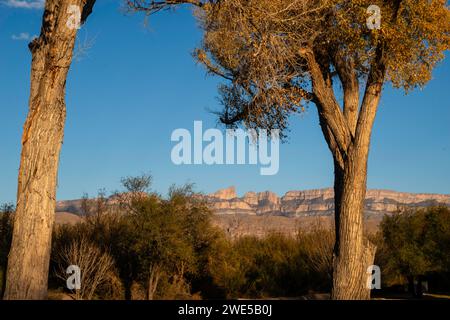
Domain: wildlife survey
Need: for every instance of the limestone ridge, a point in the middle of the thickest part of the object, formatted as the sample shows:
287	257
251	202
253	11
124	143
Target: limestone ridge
319	202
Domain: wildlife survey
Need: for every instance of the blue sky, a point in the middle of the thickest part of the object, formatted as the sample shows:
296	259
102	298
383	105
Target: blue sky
138	83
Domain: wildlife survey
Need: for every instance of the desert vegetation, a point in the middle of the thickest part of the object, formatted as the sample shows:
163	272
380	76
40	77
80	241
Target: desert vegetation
414	247
136	244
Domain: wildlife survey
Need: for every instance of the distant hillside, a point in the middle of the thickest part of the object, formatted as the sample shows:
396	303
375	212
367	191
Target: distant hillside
307	203
66	217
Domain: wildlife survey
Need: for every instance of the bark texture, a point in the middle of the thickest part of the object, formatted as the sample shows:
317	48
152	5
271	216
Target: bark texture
28	262
353	254
347	131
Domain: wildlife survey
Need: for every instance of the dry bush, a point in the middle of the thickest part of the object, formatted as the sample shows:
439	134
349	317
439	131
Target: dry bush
319	243
95	265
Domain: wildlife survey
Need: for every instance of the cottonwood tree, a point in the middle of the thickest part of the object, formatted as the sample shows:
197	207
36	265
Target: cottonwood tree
28	263
279	55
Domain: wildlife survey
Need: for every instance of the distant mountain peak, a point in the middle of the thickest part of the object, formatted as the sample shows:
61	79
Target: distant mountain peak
225	194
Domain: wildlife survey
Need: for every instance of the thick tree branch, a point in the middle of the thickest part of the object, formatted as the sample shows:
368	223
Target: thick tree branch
371	99
329	110
373	90
345	68
331	141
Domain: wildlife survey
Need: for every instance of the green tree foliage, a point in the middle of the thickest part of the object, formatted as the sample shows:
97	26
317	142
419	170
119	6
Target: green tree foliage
168	248
275	265
159	244
415	245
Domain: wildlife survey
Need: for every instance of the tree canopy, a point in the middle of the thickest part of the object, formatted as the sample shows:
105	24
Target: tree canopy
262	47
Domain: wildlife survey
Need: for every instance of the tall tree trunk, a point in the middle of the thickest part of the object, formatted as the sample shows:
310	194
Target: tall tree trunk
28	262
353	254
348	136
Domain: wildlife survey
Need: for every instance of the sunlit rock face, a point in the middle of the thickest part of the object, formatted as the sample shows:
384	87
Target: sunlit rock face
316	202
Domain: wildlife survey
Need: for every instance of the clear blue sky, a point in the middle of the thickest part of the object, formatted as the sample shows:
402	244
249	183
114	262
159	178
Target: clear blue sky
137	84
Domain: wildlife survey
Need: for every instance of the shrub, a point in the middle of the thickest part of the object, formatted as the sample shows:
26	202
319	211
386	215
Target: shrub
96	266
415	245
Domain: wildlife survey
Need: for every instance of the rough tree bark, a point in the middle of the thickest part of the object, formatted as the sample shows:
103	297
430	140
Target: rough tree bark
28	262
348	133
353	254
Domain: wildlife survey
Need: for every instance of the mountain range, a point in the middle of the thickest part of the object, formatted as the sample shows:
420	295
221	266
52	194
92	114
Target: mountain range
260	213
319	202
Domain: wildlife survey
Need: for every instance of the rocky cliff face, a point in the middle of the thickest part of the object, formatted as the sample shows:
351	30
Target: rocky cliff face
318	202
